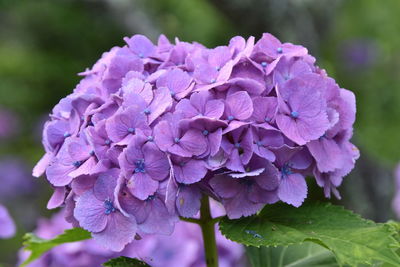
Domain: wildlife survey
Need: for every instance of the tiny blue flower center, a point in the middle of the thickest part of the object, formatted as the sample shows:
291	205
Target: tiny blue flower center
279	50
218	68
172	93
264	64
107	142
141	55
77	163
259	143
205	132
230	118
182	164
147	111
213	80
139	166
150	138
91	153
150	198
109	207
294	114
131	130
237	145
286	169
177	140
67	134
266	119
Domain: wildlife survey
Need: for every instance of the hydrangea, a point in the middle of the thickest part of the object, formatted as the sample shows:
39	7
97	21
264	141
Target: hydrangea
151	128
7	226
182	248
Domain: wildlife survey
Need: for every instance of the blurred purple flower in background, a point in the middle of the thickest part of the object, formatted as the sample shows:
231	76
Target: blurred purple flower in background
359	54
7	226
8	124
396	200
243	123
15	179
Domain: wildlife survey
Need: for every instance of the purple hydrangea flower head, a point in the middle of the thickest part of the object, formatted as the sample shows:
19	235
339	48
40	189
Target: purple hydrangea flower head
7	226
151	128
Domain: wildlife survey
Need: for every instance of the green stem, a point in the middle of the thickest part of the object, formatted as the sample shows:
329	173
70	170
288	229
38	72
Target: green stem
208	231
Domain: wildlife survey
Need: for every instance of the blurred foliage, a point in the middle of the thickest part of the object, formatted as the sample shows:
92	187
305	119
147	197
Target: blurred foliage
375	83
45	43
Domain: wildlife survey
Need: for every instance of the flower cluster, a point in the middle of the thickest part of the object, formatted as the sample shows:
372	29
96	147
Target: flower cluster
183	248
152	128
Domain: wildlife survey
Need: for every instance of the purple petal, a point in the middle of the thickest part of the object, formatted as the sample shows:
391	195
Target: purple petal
140	45
57	198
293	189
194	142
225	187
142	186
90	212
156	162
120	231
239	105
190	172
188	200
7	226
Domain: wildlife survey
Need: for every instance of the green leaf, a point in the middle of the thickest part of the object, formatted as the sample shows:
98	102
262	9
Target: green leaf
125	262
38	246
352	239
301	255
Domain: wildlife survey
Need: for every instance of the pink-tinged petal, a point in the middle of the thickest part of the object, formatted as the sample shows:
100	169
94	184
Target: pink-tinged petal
240	205
194	142
225	72
176	149
90	212
190	172
57	198
225	187
43	163
58	173
140	45
240	105
85	169
142	186
158	213
120	231
214	109
327	153
156	162
253	87
78	150
7	226
293	189
162	102
188	201
163	136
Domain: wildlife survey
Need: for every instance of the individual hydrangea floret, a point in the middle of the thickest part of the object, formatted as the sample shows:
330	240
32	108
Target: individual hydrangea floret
151	128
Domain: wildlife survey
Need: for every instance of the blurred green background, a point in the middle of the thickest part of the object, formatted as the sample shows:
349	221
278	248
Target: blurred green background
45	43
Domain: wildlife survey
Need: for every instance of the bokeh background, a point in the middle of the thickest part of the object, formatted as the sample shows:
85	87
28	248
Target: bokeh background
45	43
